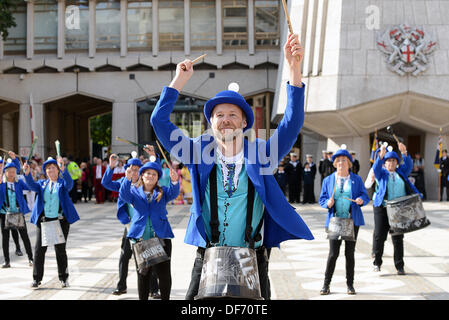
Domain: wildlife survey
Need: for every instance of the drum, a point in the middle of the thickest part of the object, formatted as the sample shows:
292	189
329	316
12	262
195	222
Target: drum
406	214
148	253
14	220
340	229
229	272
51	233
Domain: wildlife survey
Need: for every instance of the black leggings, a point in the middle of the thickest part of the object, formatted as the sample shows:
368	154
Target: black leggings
334	251
163	272
5	239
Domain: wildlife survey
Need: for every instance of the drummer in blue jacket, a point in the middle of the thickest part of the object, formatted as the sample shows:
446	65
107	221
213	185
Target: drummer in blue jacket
392	183
149	219
52	203
238	164
13	200
350	186
124	213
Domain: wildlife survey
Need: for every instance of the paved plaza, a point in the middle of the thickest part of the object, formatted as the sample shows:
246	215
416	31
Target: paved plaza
296	270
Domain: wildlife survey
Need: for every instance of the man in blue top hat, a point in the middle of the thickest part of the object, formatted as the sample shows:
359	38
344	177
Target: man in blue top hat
238	166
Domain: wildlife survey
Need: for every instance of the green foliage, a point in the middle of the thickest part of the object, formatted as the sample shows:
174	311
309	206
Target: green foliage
6	18
101	129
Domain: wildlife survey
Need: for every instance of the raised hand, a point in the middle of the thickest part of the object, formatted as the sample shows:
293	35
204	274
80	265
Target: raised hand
113	160
129	173
173	175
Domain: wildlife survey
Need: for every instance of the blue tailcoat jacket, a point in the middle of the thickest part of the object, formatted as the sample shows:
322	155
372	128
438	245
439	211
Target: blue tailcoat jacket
281	222
19	186
157	211
382	176
358	191
122	207
63	187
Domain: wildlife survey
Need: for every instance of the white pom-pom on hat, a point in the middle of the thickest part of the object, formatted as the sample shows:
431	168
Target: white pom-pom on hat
385	144
343	147
134	154
50	158
390	148
234	86
9	160
152	158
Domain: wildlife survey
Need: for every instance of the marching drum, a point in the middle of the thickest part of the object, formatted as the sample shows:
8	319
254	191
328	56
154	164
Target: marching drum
148	253
14	220
406	214
229	272
340	229
51	232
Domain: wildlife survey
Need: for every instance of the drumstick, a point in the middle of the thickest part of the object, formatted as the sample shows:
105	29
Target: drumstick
183	67
350	199
289	22
20	158
130	142
163	154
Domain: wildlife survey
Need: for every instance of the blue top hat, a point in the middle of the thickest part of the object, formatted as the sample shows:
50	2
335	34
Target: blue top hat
155	165
342	152
133	162
229	96
392	155
50	160
10	164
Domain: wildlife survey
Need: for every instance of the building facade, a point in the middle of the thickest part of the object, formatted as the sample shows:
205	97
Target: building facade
75	59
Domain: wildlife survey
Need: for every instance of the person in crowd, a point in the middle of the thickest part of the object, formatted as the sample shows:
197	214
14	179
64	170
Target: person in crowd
309	180
98	173
355	164
165	180
444	170
224	161
75	173
52	203
186	185
293	170
343	194
281	177
12	200
149	220
321	166
418	174
393	183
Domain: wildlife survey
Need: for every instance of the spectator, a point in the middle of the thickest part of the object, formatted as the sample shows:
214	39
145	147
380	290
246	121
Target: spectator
165	180
186	186
444	167
98	173
355	164
293	169
281	177
84	181
309	180
321	165
418	174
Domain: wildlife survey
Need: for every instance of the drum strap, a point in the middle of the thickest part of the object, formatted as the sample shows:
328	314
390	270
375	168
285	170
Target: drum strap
214	223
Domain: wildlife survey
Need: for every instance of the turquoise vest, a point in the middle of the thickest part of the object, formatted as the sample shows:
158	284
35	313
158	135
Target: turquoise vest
12	203
51	202
342	205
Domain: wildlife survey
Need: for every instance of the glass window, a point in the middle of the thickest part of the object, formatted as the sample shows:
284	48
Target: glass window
171	24
235	23
45	25
108	24
203	24
77	25
267	23
17	38
139	24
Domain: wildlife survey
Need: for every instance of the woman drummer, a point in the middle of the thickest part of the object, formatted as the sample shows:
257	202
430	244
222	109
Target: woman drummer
150	219
343	193
52	203
392	184
13	200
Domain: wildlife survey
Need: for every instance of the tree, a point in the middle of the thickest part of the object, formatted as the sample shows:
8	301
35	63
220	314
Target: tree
101	129
7	20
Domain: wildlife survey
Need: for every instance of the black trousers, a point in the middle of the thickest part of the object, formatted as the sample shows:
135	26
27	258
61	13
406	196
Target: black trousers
263	257
5	239
294	192
381	228
334	251
444	184
163	272
74	192
60	250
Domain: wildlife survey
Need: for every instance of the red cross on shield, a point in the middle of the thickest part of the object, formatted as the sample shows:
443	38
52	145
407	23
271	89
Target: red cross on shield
408	53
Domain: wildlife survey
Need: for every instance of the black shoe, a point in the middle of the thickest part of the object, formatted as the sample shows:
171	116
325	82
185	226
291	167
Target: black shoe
401	271
6	265
118	292
35	284
325	290
64	284
30	262
19	253
351	289
376	269
155	295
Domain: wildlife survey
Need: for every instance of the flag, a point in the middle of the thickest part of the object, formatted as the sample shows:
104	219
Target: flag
438	154
374	148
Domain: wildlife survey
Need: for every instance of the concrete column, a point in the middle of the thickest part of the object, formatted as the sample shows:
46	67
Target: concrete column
124	125
39	115
24	128
187	27
92	28
7	131
155	20
30	29
123	28
219	27
1	46
61	27
251	28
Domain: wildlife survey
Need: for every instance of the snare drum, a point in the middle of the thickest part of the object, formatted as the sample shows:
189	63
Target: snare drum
14	220
229	272
406	214
51	233
148	253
